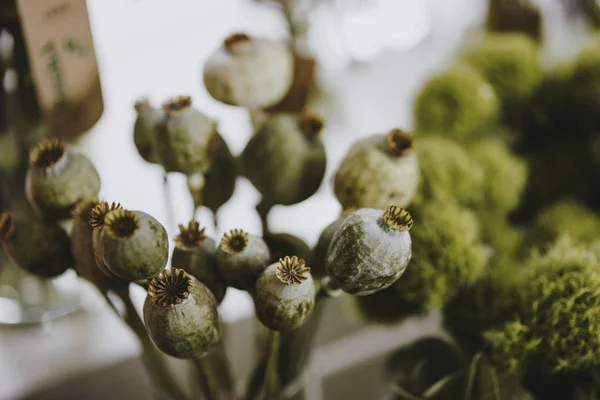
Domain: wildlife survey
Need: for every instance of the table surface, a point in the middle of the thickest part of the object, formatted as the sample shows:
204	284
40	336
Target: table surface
145	48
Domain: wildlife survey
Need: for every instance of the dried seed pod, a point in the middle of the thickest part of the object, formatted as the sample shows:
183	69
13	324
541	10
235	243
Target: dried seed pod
39	248
241	258
58	178
181	315
184	137
197	255
458	102
215	187
320	251
132	244
377	171
145	129
370	250
82	245
249	72
285	294
281	244
285	159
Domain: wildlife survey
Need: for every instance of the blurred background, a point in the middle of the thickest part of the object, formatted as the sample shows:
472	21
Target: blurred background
372	57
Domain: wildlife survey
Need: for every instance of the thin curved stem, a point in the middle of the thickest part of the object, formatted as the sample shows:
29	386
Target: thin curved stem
214	375
153	360
263	208
272	386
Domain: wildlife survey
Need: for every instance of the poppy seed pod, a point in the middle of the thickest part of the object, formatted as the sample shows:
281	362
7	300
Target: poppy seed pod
197	255
216	186
249	72
241	258
145	129
181	315
183	138
377	171
82	244
58	178
96	221
320	251
370	250
458	102
35	246
285	159
132	244
285	294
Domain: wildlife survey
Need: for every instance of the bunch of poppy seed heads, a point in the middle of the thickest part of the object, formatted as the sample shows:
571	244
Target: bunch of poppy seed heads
363	252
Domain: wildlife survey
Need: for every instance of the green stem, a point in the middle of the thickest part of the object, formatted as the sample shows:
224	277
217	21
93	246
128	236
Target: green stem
263	208
153	360
288	15
272	376
214	374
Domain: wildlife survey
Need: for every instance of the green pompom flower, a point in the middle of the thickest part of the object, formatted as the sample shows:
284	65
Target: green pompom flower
448	173
447	252
559	314
458	102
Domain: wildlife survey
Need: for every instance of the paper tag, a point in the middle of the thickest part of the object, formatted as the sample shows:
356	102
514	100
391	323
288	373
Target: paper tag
63	64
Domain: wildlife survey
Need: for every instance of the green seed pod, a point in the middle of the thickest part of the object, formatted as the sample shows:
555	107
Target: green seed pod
370	250
181	315
505	175
448	173
82	246
196	254
216	186
132	244
58	178
249	72
183	138
458	102
285	159
280	244
241	258
447	255
35	246
377	171
510	64
565	217
145	129
285	295
320	251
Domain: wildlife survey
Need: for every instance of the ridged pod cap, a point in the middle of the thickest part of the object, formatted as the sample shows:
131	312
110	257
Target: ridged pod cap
145	129
197	255
377	171
132	245
249	72
241	258
285	159
58	178
370	250
40	248
285	294
184	137
181	315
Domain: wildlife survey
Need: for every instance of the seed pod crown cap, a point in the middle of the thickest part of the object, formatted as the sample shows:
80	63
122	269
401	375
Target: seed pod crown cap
121	224
190	237
170	287
310	124
397	218
292	270
237	42
46	153
399	142
98	213
177	104
235	241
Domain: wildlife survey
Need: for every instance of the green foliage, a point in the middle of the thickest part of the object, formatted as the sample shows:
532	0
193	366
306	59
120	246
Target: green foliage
505	175
448	173
458	102
510	64
447	255
565	217
559	321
